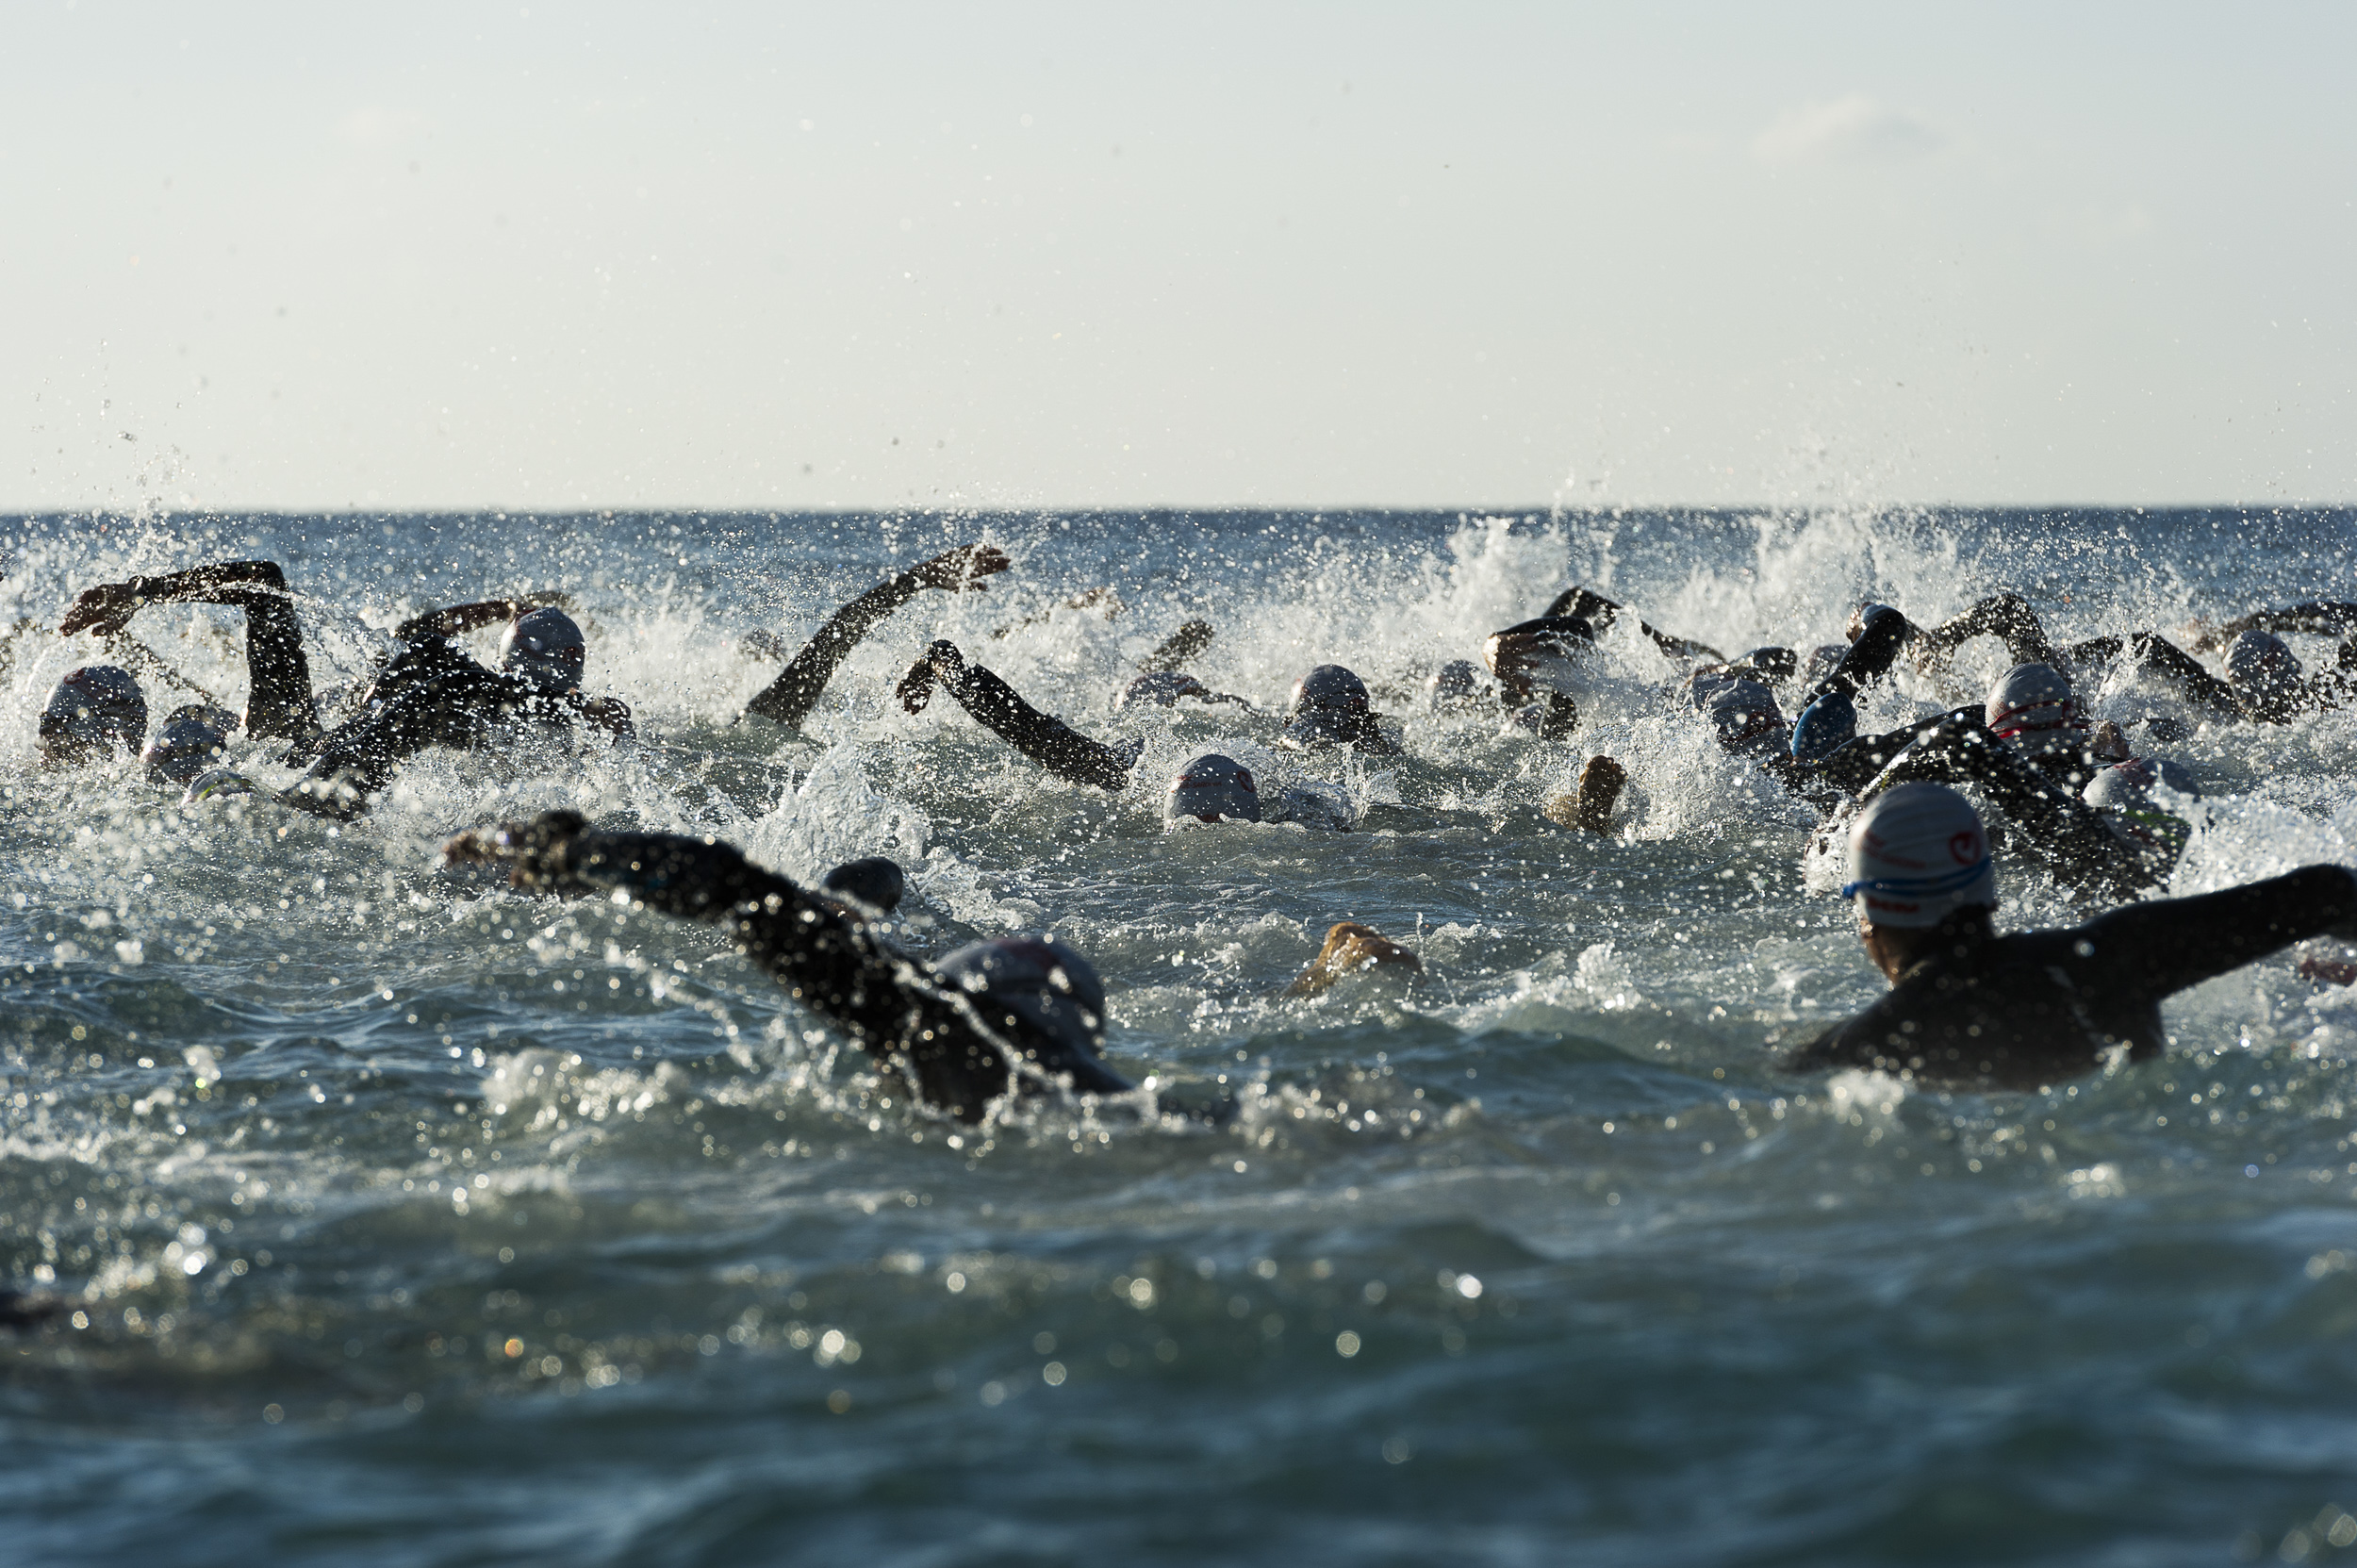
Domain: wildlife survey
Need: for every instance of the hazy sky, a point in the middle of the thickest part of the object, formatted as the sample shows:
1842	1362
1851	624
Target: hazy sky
555	256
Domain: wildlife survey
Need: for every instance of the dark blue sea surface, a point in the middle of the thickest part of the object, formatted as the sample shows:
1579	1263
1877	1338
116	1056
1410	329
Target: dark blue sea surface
405	1220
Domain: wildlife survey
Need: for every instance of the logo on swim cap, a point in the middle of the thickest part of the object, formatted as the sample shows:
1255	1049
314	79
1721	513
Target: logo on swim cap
1916	855
2032	706
546	649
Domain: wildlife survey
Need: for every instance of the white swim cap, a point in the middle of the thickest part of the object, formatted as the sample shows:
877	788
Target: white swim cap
2032	706
1917	854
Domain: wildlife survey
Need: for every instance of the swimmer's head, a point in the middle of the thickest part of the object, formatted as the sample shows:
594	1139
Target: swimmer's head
875	882
1917	856
2032	706
1328	707
192	740
2263	672
1161	688
95	712
1211	789
1455	687
1824	727
1552	653
1821	662
546	649
1745	717
1041	996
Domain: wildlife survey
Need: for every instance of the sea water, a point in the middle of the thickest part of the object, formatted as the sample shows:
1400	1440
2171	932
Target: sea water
403	1219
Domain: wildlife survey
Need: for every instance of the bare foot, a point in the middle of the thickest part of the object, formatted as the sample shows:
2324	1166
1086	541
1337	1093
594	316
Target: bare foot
1600	784
1351	948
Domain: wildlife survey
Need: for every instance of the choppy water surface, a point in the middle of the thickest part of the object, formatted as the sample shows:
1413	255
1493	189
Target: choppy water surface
412	1222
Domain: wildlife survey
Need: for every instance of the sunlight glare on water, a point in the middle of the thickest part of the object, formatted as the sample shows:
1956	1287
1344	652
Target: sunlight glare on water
405	1219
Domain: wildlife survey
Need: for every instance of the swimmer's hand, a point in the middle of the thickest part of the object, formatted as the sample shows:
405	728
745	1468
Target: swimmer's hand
612	715
941	662
105	609
2330	971
960	570
1351	948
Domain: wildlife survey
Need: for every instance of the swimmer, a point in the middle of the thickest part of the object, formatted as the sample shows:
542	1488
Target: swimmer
434	694
1001	709
1330	707
279	705
1351	948
1457	687
789	698
1540	665
1579	603
1022	1014
1212	788
1970	1007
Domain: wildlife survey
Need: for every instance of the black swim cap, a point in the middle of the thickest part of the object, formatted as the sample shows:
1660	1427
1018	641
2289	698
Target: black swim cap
874	882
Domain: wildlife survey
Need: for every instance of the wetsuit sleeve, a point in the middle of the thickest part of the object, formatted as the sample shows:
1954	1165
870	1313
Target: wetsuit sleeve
789	698
1854	766
2003	615
2174	665
1051	742
460	619
895	1009
1179	647
1868	658
2163	948
279	704
2324	618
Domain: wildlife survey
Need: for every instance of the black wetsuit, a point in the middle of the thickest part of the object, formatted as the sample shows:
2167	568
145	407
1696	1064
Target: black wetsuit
2024	1010
432	694
927	1031
1051	742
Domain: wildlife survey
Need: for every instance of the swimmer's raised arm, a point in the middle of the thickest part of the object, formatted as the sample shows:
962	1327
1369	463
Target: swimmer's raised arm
279	704
1177	648
1001	709
458	620
2324	618
899	1012
2005	616
789	698
1598	611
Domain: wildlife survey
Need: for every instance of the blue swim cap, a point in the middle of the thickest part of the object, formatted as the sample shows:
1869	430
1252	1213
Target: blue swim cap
1456	684
1328	708
1828	723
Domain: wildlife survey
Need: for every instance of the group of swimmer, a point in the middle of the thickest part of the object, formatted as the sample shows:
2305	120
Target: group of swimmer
1019	1016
